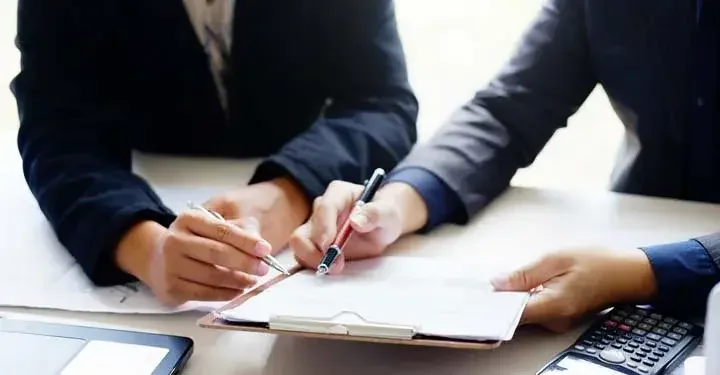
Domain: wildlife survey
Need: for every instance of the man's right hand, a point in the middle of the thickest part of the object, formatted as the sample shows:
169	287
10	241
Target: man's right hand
198	258
396	210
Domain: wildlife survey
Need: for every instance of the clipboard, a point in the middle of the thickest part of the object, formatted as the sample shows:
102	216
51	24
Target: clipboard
337	326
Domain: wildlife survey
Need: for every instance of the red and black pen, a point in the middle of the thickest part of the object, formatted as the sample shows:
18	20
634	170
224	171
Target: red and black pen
335	250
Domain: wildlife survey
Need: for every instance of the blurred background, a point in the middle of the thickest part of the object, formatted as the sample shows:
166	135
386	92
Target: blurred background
453	48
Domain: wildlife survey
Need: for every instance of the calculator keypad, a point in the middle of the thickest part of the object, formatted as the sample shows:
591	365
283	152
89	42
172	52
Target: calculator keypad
634	338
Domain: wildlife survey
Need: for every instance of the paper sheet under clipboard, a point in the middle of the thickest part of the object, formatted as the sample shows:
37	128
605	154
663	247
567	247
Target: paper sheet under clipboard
396	297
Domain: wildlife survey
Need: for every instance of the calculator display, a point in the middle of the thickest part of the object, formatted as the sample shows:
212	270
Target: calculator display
571	365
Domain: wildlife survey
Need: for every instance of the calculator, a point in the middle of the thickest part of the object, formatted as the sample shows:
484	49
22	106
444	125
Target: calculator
628	340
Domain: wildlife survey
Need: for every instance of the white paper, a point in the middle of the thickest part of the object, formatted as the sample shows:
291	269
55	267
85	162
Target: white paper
37	272
113	358
437	296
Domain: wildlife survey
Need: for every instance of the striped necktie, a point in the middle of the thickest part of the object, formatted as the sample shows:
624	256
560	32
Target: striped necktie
217	39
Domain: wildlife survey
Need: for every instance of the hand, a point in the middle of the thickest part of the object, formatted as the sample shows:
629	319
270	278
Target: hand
279	206
198	258
376	224
574	283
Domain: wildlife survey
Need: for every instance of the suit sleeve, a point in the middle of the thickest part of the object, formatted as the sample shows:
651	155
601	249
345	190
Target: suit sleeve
76	158
506	124
369	121
685	273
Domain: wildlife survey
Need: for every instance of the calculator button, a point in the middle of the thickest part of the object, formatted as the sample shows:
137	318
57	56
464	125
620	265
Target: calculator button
610	336
631	322
634	345
653	358
648	363
668	341
659	331
666	326
624	327
658	353
621	312
645	326
656	316
579	347
653	336
600	346
617	318
674	336
681	331
650	321
591	350
587	342
622	340
685	325
646	349
651	344
641	354
594	337
641	312
643	369
617	345
670	320
612	356
635	358
639	340
639	332
605	341
631	365
636	317
664	348
629	350
610	323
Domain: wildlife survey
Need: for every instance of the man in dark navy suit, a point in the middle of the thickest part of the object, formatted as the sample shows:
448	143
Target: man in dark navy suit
658	62
317	88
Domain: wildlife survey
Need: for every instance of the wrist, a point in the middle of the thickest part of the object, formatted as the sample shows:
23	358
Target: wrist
295	198
412	210
639	284
134	252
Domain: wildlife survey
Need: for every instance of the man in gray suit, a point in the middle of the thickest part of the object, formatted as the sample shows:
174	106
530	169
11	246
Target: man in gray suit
657	60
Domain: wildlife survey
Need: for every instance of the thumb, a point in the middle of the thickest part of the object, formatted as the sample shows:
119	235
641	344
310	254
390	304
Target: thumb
370	216
531	276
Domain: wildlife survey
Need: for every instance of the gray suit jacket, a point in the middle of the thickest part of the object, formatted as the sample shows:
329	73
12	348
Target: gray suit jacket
638	50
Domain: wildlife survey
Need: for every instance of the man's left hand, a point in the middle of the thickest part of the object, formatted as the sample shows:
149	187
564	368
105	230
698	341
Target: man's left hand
568	285
274	208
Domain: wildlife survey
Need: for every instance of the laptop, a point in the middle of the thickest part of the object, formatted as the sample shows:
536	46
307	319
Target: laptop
36	348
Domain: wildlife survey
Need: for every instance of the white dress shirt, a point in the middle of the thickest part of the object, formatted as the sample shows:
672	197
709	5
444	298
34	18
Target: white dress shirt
212	21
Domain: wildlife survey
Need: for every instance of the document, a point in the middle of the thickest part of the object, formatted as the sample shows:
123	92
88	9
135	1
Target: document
37	272
436	296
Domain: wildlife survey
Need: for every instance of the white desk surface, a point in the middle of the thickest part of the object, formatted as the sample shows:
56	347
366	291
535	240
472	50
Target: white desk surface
520	225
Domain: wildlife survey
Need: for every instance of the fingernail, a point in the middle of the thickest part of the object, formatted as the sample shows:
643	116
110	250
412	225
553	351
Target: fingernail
262	269
262	248
499	282
360	219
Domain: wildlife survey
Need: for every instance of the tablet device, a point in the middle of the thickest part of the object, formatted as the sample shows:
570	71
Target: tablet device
28	347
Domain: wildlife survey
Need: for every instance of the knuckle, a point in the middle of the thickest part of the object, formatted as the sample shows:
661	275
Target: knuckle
336	184
223	230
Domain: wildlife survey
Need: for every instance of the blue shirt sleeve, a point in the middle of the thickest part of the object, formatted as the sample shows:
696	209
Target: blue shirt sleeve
684	273
443	203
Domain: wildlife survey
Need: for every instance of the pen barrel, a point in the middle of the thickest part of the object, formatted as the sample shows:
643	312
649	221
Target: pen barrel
331	255
372	186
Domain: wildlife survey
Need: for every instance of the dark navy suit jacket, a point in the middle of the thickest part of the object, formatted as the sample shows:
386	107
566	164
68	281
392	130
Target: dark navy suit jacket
319	87
658	62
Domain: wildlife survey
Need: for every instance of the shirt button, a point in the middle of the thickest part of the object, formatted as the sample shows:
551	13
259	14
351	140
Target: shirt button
700	102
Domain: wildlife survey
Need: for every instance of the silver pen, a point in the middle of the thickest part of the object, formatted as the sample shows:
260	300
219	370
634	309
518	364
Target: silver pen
267	259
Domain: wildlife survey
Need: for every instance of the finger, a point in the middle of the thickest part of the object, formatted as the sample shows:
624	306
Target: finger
185	290
338	197
306	252
222	231
368	217
541	308
210	275
531	276
220	254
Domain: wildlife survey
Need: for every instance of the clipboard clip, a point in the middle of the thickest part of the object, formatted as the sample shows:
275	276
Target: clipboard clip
343	323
